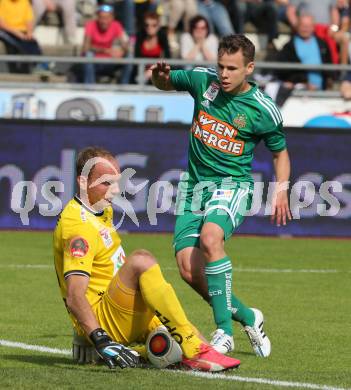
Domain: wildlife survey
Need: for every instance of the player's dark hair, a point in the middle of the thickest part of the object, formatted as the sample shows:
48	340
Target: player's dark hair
231	44
195	20
90	152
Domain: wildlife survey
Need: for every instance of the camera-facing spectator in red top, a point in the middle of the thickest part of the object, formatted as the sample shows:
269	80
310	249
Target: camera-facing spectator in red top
152	41
104	38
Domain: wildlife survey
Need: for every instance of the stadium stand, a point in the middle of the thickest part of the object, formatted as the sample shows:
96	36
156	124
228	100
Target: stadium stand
50	36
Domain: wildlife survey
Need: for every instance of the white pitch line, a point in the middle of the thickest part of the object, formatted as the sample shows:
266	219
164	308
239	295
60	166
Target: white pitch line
24	266
262	381
207	375
288	270
253	270
30	347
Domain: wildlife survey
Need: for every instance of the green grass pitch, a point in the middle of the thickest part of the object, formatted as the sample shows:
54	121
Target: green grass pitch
308	315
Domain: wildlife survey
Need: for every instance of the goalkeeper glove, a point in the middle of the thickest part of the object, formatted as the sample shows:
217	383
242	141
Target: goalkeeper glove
113	354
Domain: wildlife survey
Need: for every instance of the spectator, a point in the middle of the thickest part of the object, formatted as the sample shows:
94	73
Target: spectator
141	8
263	14
345	86
151	42
320	9
198	44
339	29
217	16
16	31
179	10
236	18
282	9
304	47
104	38
328	25
124	12
68	11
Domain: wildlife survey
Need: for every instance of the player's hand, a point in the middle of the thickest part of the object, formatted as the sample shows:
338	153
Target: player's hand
20	35
280	208
29	35
160	71
84	353
113	354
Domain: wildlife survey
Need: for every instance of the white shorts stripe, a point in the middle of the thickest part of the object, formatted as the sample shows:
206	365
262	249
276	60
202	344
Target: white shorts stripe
234	205
237	200
221	207
238	203
196	235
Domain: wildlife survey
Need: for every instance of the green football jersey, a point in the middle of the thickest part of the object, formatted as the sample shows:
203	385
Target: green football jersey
226	128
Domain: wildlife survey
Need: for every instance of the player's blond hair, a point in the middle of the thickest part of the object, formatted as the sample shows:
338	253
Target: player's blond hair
88	153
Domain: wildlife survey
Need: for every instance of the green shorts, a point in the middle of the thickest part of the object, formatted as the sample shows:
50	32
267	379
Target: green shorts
225	207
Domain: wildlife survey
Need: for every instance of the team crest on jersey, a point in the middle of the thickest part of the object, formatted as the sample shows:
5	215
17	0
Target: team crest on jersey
78	247
240	120
106	237
212	91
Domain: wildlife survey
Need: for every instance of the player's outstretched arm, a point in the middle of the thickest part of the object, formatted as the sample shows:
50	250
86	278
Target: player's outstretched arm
280	205
160	76
112	353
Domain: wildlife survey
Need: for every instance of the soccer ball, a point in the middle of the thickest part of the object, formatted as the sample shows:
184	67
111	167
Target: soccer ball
162	350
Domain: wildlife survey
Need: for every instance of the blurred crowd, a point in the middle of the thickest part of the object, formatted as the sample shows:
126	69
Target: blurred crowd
187	29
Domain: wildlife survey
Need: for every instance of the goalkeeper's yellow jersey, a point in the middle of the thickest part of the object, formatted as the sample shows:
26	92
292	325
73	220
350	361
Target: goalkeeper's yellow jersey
86	243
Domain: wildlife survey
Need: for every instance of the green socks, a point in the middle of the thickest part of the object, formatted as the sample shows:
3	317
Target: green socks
242	313
225	305
219	280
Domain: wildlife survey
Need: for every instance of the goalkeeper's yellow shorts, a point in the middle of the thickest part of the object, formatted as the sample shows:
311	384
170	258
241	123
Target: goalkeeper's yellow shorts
129	320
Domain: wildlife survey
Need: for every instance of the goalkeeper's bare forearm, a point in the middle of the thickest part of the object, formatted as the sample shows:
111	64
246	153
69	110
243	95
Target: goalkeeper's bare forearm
160	76
112	353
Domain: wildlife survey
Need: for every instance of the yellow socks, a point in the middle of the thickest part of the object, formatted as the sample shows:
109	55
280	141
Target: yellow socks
161	297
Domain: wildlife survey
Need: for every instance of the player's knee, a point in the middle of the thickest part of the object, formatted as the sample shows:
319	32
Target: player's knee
210	243
141	260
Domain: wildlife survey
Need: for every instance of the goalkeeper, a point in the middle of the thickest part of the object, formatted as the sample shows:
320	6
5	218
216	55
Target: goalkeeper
111	300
